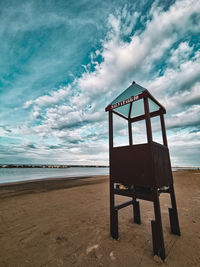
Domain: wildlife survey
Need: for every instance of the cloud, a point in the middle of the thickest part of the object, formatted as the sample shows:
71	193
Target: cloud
184	148
32	146
5	130
154	48
181	99
53	98
120	58
181	54
189	117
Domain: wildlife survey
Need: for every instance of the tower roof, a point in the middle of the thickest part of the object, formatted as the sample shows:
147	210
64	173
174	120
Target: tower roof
130	103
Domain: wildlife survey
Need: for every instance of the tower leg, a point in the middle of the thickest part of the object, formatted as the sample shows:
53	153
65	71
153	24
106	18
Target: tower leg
113	214
173	214
136	211
157	231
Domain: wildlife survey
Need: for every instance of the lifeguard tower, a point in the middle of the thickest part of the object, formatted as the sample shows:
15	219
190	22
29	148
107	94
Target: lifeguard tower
141	171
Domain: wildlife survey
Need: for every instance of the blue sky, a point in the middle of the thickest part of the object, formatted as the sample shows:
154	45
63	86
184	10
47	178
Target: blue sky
63	62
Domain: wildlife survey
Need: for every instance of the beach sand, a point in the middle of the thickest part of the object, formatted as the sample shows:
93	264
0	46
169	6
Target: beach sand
65	222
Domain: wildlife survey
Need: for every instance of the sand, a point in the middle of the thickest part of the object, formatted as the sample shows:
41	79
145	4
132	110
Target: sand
61	222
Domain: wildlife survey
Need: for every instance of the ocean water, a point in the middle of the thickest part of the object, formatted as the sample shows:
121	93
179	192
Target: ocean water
10	175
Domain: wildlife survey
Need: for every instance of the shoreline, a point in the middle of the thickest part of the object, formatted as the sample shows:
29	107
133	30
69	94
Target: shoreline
70	178
48	184
14	175
49	179
19	188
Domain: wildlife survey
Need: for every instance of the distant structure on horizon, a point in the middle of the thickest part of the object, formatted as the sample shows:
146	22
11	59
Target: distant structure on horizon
49	166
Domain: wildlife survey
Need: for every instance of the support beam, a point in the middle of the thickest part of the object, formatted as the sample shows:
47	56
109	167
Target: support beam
138	195
120	115
130	133
155	101
130	126
123	205
130	109
147	120
164	136
142	117
157	231
114	224
113	212
136	211
173	213
110	118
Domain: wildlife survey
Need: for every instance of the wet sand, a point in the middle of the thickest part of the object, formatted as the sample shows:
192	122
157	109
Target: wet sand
65	222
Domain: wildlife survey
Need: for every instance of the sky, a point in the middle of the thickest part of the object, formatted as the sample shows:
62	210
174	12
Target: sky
62	62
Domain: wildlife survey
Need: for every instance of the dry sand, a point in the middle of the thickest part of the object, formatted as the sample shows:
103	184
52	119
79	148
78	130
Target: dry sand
61	222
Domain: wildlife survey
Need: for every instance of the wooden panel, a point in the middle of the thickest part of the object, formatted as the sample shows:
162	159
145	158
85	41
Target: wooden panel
162	165
132	165
146	165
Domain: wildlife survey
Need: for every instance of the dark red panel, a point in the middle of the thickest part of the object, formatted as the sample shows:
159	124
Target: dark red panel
146	165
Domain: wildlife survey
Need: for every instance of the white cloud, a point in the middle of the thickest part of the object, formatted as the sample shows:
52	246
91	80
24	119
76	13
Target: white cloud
53	98
180	99
121	60
181	54
184	148
188	117
179	85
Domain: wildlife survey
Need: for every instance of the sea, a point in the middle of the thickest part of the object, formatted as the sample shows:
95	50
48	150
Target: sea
11	175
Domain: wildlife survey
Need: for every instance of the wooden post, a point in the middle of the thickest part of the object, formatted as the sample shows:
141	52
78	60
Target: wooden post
136	211
157	231
147	120
164	136
113	212
130	125
130	109
173	213
110	132
130	133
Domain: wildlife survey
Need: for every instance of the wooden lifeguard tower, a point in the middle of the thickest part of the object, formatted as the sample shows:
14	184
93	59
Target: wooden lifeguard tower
144	170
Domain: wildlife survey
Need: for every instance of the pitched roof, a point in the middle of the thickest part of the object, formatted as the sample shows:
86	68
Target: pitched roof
130	103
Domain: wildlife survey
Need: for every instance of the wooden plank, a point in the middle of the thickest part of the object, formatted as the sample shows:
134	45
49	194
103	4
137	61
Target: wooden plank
142	117
155	101
147	120
123	205
130	133
164	136
122	116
